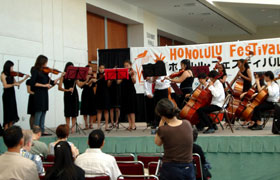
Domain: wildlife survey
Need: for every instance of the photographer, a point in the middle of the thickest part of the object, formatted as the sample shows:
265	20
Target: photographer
176	136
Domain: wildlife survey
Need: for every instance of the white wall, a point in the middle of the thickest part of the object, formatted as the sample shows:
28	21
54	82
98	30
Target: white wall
55	28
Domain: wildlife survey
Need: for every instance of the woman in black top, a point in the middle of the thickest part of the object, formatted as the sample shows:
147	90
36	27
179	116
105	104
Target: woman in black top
245	74
186	80
30	108
71	98
102	97
88	101
41	83
64	167
129	96
9	97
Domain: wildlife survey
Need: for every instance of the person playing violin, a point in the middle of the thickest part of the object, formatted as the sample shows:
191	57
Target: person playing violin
71	98
244	73
41	83
88	99
186	79
222	72
218	96
10	112
273	97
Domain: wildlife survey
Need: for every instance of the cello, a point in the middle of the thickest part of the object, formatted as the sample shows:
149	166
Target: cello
261	97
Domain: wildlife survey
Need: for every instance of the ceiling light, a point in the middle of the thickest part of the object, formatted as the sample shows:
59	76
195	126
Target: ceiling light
270	16
206	14
177	5
275	22
189	4
263	10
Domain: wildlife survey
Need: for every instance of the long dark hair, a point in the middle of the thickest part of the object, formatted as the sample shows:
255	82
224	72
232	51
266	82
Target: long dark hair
40	61
166	108
7	67
224	69
63	167
246	65
67	65
187	63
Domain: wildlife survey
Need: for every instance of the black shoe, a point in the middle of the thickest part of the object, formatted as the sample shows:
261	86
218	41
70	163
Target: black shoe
215	127
209	131
250	127
257	127
200	129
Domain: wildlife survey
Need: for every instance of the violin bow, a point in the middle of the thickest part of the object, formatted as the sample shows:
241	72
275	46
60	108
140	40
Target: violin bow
18	73
52	72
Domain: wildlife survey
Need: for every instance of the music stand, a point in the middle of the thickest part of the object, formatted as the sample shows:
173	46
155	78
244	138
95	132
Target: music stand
77	73
116	74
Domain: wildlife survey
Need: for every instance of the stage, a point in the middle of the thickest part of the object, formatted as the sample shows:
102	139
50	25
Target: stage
242	155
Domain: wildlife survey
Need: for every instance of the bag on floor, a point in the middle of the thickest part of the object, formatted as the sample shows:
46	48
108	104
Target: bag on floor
276	120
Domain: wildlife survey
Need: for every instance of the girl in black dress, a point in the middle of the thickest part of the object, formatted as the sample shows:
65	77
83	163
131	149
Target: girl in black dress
102	97
41	83
186	80
88	107
129	96
71	98
30	108
245	74
9	97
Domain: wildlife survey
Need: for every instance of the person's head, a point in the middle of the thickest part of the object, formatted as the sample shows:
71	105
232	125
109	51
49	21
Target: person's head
268	76
27	138
62	131
186	64
166	109
213	75
221	68
13	137
41	62
242	64
101	68
37	132
202	78
89	69
96	139
8	68
127	64
68	65
63	167
195	134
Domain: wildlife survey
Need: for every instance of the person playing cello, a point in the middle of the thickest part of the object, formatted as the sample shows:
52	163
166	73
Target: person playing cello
218	96
268	104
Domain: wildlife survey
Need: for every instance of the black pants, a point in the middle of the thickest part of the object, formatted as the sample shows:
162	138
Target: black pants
158	95
261	108
205	120
150	109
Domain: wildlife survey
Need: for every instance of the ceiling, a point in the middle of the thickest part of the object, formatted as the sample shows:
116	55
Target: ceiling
213	19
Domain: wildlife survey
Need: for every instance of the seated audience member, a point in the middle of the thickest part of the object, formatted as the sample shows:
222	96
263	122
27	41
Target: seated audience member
38	147
198	150
177	140
64	167
24	152
12	164
62	133
94	162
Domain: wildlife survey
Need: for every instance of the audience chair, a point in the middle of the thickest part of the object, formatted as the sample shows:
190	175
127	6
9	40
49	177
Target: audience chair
124	157
139	177
47	165
148	158
42	177
98	178
131	167
215	115
266	115
198	166
152	168
50	158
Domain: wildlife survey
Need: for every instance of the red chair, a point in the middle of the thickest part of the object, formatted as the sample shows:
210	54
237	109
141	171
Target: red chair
147	159
138	177
50	158
98	178
124	157
131	167
152	168
42	177
198	166
47	165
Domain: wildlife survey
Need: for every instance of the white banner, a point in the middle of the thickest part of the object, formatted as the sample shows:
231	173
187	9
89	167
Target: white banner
267	57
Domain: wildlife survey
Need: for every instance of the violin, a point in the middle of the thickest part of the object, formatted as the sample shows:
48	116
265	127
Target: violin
177	74
19	74
48	70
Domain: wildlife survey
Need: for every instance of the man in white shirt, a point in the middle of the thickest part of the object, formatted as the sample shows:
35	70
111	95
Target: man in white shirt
12	164
273	97
94	162
149	99
218	97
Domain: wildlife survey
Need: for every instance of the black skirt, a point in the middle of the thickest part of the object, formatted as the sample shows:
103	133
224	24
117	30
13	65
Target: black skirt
30	107
115	95
102	95
129	97
88	103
